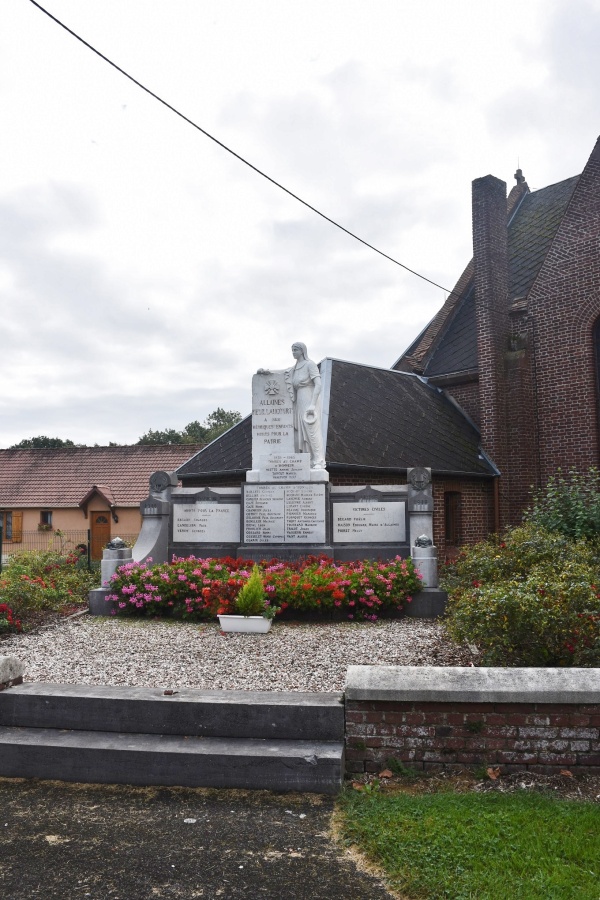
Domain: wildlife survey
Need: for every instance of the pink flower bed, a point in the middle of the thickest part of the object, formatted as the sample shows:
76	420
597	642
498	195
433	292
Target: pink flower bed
195	588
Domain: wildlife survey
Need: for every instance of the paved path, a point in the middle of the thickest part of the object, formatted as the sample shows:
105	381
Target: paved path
66	841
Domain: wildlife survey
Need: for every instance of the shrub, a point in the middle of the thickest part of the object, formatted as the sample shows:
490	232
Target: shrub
202	588
251	599
528	599
44	580
569	504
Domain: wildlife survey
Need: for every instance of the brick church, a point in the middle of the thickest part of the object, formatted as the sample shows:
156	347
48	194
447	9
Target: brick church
498	391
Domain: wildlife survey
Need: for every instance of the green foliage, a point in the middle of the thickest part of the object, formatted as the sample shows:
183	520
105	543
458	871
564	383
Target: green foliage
251	599
169	436
569	504
195	432
41	442
398	768
528	599
37	580
485	846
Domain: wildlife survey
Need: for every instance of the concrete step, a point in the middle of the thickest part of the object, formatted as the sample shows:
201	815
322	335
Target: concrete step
236	714
187	761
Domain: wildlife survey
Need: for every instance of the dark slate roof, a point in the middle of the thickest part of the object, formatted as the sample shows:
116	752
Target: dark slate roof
530	233
63	477
378	419
457	349
532	230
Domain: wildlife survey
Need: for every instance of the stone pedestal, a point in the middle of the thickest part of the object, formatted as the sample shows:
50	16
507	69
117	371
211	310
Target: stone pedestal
114	555
425	560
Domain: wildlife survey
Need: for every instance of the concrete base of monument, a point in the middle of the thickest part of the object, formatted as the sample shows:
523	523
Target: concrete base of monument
98	605
430	603
201	551
374	552
285	552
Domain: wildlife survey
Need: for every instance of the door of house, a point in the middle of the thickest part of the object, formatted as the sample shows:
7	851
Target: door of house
100	525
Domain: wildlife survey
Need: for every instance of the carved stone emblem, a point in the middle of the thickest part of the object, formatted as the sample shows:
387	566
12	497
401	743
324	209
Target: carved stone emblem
272	387
419	478
159	482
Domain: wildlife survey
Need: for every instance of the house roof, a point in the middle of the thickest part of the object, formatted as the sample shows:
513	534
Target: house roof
449	343
378	419
64	477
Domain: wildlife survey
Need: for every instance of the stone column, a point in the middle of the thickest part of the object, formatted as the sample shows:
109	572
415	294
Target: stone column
430	602
115	554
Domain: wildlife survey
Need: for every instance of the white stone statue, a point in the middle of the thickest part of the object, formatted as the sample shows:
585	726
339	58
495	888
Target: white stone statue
303	382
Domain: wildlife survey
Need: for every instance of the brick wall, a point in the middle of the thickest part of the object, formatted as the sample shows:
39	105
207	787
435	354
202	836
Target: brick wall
467	396
476	511
564	303
521	413
538	737
490	256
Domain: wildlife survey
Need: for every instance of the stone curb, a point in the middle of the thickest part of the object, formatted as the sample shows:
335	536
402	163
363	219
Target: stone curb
461	684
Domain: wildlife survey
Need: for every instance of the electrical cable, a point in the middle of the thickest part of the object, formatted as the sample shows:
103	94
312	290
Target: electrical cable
232	152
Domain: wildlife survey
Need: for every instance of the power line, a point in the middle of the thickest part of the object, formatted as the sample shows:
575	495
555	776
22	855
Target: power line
232	152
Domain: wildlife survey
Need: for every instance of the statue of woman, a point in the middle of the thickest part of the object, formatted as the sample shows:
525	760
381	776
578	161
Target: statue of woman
303	381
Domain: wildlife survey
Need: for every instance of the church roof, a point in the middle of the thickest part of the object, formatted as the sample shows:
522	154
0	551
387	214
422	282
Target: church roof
449	343
378	420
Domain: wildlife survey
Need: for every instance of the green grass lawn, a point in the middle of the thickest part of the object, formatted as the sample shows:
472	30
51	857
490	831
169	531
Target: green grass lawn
472	846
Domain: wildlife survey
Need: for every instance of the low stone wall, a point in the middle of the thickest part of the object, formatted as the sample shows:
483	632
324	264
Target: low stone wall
11	672
541	720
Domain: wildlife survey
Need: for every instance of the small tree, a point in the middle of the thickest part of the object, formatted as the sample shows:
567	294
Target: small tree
251	599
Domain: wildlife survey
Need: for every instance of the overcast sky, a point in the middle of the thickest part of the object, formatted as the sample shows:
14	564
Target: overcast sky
145	273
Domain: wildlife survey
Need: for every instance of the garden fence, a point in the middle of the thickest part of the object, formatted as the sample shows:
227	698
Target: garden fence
58	540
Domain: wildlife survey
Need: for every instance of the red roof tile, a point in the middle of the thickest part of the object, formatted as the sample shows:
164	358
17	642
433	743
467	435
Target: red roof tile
62	478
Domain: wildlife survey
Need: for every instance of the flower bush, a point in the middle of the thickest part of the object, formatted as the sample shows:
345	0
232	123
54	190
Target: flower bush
202	588
530	598
8	620
44	580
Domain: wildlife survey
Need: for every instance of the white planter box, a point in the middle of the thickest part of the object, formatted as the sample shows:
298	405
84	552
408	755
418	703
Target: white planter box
249	624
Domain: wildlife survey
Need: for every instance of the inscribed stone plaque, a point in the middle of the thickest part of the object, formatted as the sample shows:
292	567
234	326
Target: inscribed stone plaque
284	514
207	521
285	467
264	514
272	417
370	521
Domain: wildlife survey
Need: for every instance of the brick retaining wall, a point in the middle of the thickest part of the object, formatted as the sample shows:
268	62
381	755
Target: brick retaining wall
541	720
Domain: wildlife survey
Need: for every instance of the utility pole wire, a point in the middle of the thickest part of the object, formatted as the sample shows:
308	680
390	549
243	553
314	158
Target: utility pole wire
232	152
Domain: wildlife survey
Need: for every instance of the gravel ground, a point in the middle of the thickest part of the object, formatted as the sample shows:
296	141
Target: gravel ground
292	657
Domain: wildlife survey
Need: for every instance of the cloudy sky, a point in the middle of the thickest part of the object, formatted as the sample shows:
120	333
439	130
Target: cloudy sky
145	273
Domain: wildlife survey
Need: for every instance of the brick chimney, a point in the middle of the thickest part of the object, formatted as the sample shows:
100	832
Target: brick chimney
490	256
